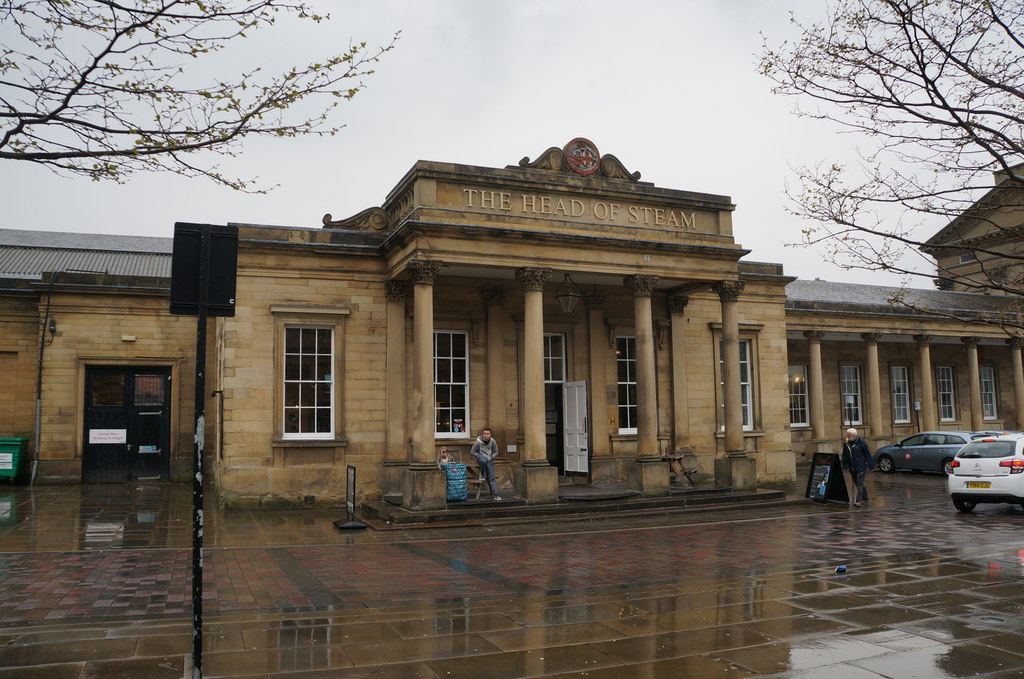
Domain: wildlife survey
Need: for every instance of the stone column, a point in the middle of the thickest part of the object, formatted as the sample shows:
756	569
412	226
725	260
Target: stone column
736	470
874	383
924	344
816	384
423	486
974	381
537	481
396	446
1015	344
494	298
680	406
651	471
599	357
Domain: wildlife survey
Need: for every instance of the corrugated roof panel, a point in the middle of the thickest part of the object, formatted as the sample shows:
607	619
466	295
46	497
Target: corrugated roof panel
53	240
21	262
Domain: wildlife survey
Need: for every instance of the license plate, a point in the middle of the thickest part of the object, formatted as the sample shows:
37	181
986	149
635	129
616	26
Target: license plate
978	484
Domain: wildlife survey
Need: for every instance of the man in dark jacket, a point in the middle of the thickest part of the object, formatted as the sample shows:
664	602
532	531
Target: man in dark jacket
857	458
485	449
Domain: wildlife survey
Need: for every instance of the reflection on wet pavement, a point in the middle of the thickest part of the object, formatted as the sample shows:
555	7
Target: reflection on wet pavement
94	582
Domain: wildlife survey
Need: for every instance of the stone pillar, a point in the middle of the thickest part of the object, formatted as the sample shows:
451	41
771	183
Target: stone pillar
650	474
816	384
974	381
494	298
396	445
736	470
874	383
537	481
1015	344
928	420
423	485
599	356
680	404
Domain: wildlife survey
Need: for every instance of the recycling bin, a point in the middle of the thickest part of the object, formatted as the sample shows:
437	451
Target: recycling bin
12	452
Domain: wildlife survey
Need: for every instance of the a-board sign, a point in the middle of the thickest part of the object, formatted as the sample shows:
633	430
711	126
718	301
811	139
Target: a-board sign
825	481
350	502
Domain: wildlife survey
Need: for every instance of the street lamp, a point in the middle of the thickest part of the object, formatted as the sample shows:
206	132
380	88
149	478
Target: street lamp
568	294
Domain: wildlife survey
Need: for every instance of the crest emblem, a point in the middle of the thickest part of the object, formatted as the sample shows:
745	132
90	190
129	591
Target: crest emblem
582	157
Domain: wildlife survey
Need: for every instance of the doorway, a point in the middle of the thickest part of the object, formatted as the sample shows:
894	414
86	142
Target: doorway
127	424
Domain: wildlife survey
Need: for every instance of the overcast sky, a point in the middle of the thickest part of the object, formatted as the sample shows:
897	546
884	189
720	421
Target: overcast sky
669	87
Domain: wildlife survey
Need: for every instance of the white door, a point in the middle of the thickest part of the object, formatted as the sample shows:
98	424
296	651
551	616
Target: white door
574	407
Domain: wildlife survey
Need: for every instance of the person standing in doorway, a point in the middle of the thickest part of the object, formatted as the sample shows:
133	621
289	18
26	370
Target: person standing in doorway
485	449
857	458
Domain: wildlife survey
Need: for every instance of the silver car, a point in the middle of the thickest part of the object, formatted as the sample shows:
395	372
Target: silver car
927	451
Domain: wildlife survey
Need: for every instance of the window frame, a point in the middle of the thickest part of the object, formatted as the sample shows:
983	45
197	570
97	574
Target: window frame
629	360
798	376
851	414
747	381
284	381
895	396
550	358
451	434
991	395
941	392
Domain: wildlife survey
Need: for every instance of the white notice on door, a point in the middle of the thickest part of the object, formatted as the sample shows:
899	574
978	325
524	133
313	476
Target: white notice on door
108	436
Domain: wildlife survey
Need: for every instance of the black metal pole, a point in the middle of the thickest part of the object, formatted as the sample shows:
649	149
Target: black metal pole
197	471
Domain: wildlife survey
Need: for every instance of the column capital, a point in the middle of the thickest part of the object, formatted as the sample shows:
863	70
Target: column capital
641	285
422	271
594	300
677	304
814	336
494	296
1015	342
969	342
728	291
533	279
395	291
871	337
923	340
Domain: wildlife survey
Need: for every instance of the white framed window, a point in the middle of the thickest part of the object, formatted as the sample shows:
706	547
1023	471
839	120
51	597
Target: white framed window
451	383
798	415
308	382
625	368
899	384
945	379
849	381
989	408
746	380
554	357
968	257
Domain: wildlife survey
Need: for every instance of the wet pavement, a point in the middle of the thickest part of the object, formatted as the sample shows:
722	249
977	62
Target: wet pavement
95	582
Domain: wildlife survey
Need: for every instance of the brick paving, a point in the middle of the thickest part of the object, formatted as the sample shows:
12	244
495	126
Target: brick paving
595	595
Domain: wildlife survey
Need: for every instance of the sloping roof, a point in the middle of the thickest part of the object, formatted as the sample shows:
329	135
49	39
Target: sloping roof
807	293
28	254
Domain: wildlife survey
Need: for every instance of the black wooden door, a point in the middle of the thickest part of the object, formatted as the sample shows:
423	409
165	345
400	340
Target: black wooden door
127	424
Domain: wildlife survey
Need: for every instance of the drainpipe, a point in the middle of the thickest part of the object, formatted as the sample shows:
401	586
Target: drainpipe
39	374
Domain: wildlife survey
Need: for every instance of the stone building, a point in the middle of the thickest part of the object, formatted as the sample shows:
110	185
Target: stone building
593	321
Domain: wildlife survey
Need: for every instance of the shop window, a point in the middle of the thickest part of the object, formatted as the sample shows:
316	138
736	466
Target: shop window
798	415
849	379
989	409
945	379
308	382
899	383
625	365
451	383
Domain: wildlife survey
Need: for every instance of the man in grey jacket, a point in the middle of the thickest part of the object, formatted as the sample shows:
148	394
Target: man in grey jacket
485	449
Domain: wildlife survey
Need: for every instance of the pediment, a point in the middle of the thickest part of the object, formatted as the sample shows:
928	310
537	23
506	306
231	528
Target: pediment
579	157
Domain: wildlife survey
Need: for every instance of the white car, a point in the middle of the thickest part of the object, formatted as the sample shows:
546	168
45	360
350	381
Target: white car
988	469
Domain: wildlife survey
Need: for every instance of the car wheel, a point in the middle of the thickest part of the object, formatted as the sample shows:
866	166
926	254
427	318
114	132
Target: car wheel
885	464
965	506
947	466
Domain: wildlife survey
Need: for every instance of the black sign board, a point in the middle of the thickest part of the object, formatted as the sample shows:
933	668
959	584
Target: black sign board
825	481
221	263
350	502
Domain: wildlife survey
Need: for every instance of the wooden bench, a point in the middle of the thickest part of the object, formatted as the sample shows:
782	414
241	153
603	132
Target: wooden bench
683	465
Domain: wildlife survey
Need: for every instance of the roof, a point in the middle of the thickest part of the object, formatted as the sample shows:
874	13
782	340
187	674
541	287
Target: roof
804	293
29	254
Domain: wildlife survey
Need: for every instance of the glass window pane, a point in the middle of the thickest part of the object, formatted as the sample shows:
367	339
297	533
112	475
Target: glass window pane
107	389
149	390
291	395
323	367
291	367
323	394
291	340
323	419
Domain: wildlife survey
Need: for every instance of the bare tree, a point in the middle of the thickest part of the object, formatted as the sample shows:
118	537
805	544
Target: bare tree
934	91
105	88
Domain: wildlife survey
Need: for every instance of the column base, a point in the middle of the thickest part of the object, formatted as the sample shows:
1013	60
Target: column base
538	485
424	490
650	476
736	472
